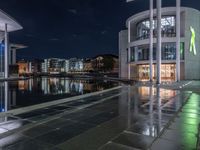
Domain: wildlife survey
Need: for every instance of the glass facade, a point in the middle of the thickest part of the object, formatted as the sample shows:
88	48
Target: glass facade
167	25
168	52
168	72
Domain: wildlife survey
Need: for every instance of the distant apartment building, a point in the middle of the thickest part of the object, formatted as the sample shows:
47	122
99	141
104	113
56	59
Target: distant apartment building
76	65
24	67
36	66
55	66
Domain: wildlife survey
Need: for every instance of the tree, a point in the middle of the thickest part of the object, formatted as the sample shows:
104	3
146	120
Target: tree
108	63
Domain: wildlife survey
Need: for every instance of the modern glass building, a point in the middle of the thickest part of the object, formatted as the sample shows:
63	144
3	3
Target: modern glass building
55	66
134	51
7	25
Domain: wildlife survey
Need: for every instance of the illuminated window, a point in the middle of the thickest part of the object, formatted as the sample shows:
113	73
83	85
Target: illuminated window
167	26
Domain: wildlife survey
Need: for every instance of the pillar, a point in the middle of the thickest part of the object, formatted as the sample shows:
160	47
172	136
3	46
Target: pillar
178	20
159	41
6	69
129	50
151	41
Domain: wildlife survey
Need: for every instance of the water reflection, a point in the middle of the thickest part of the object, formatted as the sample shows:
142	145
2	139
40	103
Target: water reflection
148	109
22	93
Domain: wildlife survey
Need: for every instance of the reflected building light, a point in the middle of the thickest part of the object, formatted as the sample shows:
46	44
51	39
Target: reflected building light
67	90
45	87
30	84
76	87
81	88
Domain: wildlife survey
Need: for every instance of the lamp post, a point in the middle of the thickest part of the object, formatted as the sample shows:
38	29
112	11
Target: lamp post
150	40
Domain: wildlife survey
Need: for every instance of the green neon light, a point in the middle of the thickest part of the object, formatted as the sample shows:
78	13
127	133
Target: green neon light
182	47
192	41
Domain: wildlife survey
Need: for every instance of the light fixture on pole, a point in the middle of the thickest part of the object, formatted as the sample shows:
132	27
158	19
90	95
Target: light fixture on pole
150	39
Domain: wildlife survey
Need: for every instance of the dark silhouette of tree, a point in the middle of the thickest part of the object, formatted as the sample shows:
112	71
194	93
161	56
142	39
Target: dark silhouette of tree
108	63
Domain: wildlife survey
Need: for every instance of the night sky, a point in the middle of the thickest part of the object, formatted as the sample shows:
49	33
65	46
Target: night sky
73	28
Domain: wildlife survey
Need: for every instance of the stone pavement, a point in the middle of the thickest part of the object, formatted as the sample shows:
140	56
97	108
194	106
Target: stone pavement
131	118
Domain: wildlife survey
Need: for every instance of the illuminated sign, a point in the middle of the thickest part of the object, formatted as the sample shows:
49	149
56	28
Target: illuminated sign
192	41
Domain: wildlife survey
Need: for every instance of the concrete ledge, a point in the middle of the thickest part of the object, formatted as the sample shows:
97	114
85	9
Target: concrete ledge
55	102
13	78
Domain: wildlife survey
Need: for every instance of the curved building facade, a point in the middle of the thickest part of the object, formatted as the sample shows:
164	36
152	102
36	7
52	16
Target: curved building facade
134	45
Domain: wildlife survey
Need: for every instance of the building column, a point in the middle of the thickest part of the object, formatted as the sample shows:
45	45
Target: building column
6	69
159	41
13	56
178	40
6	94
151	41
129	50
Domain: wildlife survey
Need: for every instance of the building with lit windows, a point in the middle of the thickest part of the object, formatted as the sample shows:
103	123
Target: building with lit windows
55	66
76	65
134	45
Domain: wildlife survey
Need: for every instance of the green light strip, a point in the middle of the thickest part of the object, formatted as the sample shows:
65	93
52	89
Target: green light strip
182	47
192	41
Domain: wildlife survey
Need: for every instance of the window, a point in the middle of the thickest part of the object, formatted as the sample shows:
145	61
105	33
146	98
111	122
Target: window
167	26
168	52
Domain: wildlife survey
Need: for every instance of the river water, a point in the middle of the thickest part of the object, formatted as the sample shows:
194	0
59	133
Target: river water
16	94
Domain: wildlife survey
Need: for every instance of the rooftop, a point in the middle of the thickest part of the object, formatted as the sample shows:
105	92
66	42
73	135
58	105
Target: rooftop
13	25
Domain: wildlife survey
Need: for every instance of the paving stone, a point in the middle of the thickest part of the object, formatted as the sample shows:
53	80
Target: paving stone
165	145
114	146
30	145
183	139
37	131
12	140
134	140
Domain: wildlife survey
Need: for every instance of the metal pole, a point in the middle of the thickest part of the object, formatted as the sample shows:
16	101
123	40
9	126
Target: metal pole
151	40
129	50
159	38
178	40
6	52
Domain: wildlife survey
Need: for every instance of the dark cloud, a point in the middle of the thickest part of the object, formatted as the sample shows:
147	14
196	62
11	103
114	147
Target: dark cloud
73	11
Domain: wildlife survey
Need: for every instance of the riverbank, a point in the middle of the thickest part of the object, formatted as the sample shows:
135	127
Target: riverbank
14	78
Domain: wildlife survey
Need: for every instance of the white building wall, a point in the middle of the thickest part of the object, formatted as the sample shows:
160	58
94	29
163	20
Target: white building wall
192	62
123	62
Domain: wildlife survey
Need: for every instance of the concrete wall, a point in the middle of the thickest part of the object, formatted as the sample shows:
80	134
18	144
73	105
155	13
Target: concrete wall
192	62
123	64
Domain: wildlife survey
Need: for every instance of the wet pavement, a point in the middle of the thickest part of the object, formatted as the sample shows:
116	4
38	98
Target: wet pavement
130	118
